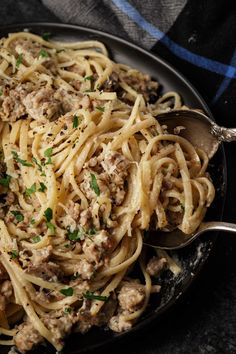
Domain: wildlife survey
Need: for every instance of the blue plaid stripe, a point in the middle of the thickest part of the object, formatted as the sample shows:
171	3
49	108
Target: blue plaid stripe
225	83
228	71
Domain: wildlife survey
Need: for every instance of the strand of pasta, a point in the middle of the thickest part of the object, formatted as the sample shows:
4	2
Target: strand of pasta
58	45
128	262
96	306
26	302
148	286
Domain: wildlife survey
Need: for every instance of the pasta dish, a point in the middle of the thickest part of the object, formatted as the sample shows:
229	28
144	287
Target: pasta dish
86	170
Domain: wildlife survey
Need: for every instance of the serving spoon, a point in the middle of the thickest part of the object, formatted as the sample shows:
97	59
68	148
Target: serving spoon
176	239
203	133
199	129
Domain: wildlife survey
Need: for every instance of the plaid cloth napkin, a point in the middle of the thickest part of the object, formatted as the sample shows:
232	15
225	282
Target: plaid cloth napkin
197	37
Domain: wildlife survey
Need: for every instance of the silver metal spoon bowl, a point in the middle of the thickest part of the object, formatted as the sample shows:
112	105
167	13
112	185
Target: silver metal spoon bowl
176	239
203	133
199	129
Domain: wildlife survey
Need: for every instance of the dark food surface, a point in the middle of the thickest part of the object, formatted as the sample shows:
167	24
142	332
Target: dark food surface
205	319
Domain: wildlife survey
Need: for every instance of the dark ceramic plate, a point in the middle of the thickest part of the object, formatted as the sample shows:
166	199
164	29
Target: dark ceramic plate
191	258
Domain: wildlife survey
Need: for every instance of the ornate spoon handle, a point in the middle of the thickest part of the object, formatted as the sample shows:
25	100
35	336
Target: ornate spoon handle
223	134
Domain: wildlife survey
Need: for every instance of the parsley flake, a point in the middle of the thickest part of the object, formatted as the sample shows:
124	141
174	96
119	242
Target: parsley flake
32	221
90	78
94	184
19	60
5	181
67	291
43	53
48	214
46	35
92	231
76	121
37	163
51	227
1	92
42	187
75	235
14	254
67	310
18	215
48	154
36	239
91	296
101	109
89	91
22	162
30	190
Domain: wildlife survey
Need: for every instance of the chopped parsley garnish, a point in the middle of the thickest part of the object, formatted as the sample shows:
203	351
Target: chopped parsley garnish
92	231
89	78
1	92
51	227
43	53
37	163
48	214
48	154
22	162
75	121
67	310
91	296
89	91
101	109
5	181
94	184
14	254
32	221
18	215
75	235
36	239
66	245
46	35
42	187
19	60
30	190
182	207
67	291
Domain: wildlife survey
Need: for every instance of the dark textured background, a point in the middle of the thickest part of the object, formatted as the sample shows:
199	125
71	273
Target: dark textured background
205	320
